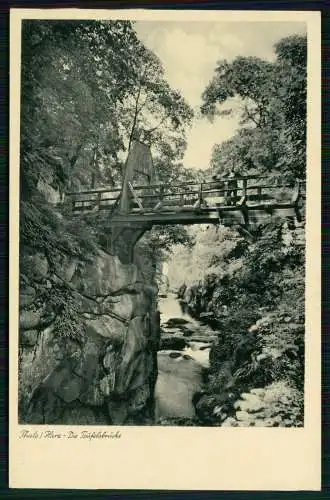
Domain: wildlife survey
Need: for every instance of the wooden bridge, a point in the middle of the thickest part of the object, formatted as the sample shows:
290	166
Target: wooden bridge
142	201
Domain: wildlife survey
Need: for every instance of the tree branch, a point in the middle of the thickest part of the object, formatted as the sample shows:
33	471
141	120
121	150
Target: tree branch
137	110
158	125
250	116
74	158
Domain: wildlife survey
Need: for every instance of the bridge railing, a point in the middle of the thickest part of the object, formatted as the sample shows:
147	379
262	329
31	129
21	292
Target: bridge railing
210	194
101	199
249	190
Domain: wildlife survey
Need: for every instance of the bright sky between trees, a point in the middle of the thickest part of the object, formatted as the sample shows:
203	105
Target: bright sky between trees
189	52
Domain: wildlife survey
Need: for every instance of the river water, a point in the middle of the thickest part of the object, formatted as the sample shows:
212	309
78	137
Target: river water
180	371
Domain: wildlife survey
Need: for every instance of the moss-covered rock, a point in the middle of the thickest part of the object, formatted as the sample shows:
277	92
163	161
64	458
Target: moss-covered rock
99	352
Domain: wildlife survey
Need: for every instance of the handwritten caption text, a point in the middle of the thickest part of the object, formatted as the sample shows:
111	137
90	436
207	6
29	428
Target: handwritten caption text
84	434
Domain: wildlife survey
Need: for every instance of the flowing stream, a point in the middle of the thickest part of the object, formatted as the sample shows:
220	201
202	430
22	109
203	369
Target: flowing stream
184	355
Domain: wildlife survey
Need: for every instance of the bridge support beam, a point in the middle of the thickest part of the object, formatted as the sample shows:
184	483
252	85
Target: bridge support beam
124	238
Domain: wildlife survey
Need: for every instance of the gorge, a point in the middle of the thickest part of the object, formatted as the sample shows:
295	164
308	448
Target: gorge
104	338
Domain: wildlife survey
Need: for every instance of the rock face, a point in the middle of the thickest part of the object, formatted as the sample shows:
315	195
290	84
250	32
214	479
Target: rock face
100	369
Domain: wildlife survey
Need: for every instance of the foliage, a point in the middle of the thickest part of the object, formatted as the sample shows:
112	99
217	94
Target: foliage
283	405
256	293
256	290
87	88
44	228
207	256
68	323
157	244
270	98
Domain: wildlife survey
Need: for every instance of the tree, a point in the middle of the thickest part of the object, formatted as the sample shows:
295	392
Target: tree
67	111
87	87
271	100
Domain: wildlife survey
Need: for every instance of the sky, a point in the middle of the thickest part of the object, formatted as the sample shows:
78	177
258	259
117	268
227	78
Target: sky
189	52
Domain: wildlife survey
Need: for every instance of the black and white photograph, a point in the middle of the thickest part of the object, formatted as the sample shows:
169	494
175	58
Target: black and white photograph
164	250
162	223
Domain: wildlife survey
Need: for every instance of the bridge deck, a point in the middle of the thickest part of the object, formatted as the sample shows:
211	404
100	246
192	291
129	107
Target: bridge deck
243	201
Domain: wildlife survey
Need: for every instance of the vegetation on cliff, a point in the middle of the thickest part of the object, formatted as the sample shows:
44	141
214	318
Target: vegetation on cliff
253	287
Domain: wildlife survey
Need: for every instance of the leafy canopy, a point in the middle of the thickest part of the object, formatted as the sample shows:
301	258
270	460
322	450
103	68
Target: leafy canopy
270	100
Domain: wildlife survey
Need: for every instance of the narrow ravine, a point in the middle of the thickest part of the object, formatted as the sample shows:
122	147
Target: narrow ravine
183	360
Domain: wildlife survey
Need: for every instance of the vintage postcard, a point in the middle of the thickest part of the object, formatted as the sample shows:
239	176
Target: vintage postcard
165	269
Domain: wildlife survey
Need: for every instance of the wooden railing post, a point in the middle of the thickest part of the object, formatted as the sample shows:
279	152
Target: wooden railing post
259	193
296	191
244	188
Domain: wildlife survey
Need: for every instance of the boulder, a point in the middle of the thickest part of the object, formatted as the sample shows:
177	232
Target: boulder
127	306
250	406
187	333
139	398
70	389
122	306
269	422
118	411
175	354
209	314
28	338
82	415
104	276
207	338
44	408
250	402
107	327
135	343
258	392
107	385
36	266
27	296
93	395
140	371
110	358
176	322
38	362
204	347
87	366
172	330
171	342
229	422
243	416
29	320
64	383
66	267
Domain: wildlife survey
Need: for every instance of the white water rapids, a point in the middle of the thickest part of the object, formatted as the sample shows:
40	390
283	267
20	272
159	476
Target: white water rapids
180	372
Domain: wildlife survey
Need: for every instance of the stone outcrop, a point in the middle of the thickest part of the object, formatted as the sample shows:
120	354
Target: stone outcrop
276	405
101	371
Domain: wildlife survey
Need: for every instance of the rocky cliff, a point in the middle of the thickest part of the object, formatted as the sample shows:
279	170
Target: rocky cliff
89	332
